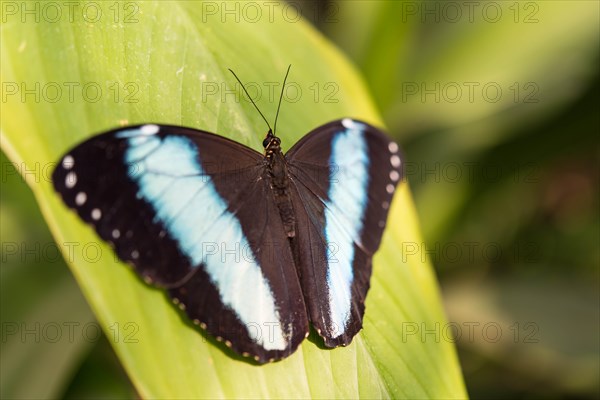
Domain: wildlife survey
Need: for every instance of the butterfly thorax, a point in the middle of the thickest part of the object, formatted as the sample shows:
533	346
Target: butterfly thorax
278	175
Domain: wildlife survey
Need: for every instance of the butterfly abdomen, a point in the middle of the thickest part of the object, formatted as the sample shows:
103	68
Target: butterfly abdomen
276	166
286	211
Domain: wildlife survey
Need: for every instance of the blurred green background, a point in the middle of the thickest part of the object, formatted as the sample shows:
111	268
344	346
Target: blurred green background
496	107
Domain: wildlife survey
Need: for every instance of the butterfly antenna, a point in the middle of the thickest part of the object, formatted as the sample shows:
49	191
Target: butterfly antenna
252	101
280	98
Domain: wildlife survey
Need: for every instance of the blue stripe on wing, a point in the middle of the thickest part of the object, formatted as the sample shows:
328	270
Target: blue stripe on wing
170	177
344	214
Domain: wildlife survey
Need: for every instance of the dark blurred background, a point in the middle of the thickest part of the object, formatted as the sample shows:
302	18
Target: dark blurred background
496	107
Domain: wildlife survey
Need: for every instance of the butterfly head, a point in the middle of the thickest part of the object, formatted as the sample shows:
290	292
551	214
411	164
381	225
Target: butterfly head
271	143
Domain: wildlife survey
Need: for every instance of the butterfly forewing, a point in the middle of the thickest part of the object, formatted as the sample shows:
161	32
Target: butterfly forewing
191	212
344	175
97	180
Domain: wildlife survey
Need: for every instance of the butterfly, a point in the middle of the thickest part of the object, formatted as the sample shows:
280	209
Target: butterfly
253	247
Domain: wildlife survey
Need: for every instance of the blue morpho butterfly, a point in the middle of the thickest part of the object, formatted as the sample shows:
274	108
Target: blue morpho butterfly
251	246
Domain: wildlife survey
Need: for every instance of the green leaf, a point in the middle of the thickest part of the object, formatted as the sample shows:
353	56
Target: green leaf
44	317
172	62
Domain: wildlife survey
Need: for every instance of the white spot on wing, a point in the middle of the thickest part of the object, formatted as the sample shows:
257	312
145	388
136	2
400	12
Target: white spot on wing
149	129
116	233
393	147
71	180
68	162
395	161
394	176
390	188
80	199
350	124
96	214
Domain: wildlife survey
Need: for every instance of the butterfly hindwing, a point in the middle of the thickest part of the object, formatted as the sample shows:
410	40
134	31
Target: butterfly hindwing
344	175
273	314
190	211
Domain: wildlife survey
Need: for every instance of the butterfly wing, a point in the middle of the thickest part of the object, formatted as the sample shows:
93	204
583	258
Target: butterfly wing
174	202
272	326
344	175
